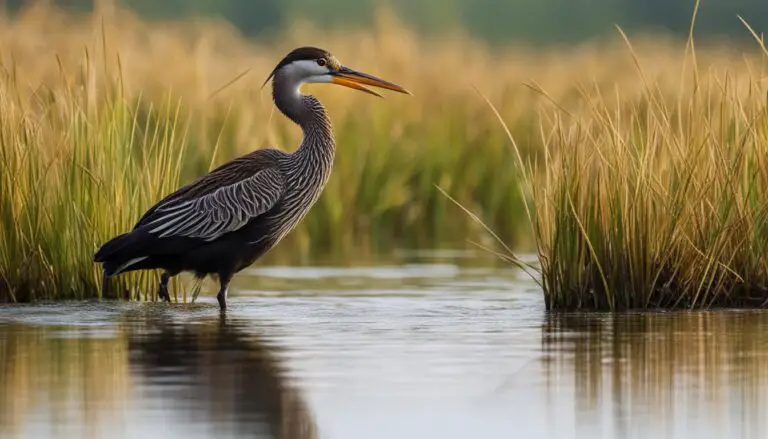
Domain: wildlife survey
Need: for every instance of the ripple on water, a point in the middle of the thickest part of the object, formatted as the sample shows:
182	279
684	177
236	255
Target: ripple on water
423	350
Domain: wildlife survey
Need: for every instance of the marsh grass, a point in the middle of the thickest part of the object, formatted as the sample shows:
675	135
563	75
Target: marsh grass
78	165
658	201
91	138
104	114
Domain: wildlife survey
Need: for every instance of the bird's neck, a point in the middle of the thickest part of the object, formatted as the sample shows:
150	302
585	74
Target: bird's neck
307	112
318	133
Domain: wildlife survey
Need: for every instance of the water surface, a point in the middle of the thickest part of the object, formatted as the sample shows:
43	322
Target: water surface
428	346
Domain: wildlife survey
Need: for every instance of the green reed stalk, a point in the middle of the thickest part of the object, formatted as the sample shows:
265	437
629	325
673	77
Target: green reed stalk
78	165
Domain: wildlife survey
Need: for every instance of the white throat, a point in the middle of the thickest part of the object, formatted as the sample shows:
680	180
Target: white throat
303	72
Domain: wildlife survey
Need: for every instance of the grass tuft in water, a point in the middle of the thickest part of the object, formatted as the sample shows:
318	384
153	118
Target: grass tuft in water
659	201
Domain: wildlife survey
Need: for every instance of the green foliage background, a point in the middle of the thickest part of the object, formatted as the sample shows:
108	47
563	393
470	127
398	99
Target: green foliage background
537	21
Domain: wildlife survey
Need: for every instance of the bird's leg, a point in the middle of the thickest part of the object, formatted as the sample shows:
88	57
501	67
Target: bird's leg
104	284
163	290
222	296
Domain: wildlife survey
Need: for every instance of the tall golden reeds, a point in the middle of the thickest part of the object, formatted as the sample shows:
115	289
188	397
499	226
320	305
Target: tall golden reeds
102	114
656	200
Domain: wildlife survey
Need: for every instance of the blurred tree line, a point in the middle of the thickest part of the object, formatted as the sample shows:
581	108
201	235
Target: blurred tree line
495	20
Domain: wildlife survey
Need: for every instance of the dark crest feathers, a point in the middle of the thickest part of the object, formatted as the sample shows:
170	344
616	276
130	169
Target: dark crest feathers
299	54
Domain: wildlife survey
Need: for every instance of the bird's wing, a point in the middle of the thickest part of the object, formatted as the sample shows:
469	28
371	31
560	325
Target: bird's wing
223	201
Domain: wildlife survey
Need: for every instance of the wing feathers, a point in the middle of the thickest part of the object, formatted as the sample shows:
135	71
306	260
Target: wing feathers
226	209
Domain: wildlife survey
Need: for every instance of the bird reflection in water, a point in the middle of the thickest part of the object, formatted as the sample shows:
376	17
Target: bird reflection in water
223	376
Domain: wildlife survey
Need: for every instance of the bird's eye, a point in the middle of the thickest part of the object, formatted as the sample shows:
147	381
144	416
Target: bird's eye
321	62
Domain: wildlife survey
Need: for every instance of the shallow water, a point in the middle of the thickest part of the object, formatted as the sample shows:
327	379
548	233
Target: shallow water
443	346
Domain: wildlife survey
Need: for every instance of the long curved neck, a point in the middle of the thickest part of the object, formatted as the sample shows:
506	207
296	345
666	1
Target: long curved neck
307	112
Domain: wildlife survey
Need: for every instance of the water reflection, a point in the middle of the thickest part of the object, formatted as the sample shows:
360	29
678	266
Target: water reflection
699	374
440	352
233	378
47	374
187	377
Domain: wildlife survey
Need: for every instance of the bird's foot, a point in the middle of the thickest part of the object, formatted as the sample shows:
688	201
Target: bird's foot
163	295
222	298
162	291
104	284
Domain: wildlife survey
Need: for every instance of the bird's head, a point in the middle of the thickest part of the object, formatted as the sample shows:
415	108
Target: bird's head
307	65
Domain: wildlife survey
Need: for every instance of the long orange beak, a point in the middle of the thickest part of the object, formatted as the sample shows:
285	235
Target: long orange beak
357	80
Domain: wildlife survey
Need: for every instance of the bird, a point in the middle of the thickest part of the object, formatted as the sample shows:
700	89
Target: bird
230	217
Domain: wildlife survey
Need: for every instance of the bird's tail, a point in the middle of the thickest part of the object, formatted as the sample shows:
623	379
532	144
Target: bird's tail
120	253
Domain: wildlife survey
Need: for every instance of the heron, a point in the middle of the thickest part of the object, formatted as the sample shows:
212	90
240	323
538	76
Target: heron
227	219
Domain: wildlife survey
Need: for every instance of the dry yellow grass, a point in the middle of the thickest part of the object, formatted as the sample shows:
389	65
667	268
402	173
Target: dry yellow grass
392	153
657	200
